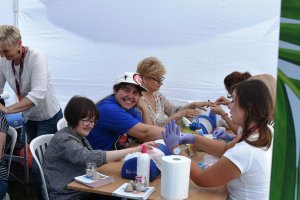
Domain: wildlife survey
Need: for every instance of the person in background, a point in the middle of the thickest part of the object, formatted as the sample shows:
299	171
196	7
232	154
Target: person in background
270	82
69	151
26	72
229	81
162	111
245	164
119	116
3	163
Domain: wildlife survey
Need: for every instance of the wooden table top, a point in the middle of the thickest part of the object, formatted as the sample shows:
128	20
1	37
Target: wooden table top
114	169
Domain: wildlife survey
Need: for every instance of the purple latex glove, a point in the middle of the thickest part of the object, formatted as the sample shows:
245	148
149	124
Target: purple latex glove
186	138
221	134
172	135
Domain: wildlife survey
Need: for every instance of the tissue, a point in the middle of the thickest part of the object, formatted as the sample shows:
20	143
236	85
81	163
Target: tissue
175	177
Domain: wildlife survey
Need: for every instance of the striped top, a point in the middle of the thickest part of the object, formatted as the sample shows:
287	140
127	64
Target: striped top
3	163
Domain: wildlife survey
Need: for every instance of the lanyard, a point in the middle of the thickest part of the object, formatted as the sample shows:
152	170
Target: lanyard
21	70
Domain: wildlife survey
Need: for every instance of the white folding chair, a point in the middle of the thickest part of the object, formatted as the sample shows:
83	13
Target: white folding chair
13	135
62	123
38	147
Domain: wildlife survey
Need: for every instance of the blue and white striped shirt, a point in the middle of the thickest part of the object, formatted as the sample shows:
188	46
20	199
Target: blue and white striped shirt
3	132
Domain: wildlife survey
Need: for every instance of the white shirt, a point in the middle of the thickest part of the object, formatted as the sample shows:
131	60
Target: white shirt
35	85
255	166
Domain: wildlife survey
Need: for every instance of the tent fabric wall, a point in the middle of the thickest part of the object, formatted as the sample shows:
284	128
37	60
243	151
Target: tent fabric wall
89	43
6	12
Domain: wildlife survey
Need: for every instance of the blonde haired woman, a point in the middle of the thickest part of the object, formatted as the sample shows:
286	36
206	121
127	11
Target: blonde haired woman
162	111
270	82
26	72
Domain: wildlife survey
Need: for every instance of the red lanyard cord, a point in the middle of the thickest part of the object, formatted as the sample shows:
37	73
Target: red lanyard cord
21	70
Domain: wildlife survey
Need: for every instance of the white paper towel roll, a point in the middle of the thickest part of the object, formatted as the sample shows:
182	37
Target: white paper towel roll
175	177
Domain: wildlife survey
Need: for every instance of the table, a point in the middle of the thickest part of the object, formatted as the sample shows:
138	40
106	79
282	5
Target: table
114	169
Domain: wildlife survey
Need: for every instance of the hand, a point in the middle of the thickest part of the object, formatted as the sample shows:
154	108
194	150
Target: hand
187	138
148	146
222	101
141	104
3	109
217	110
201	105
172	135
221	134
189	113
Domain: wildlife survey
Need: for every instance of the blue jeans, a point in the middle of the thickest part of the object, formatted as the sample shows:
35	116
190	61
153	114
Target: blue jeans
3	188
34	129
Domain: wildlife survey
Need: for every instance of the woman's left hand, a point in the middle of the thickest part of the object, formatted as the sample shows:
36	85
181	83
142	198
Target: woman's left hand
172	135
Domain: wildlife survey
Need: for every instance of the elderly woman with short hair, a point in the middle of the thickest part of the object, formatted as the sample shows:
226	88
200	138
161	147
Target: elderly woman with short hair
162	111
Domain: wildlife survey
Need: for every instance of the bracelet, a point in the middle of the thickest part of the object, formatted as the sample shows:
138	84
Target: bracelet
225	114
187	151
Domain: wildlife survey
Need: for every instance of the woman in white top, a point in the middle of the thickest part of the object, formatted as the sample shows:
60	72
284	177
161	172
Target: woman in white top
161	110
26	72
245	163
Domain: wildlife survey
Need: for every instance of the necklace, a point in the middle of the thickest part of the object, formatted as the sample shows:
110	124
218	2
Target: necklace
151	101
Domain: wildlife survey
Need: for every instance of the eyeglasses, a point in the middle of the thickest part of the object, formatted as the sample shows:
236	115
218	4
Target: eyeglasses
159	81
87	122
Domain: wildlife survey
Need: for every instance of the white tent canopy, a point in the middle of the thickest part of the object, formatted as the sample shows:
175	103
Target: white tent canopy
89	43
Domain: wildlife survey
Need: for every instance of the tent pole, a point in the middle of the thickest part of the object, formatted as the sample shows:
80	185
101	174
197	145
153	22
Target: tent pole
16	13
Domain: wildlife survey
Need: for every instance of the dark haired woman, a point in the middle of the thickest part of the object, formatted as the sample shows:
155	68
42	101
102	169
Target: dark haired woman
245	163
230	81
69	151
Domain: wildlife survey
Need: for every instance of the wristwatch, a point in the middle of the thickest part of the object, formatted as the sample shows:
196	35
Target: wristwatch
177	150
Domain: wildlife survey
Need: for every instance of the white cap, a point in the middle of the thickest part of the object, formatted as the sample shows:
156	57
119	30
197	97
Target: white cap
132	78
